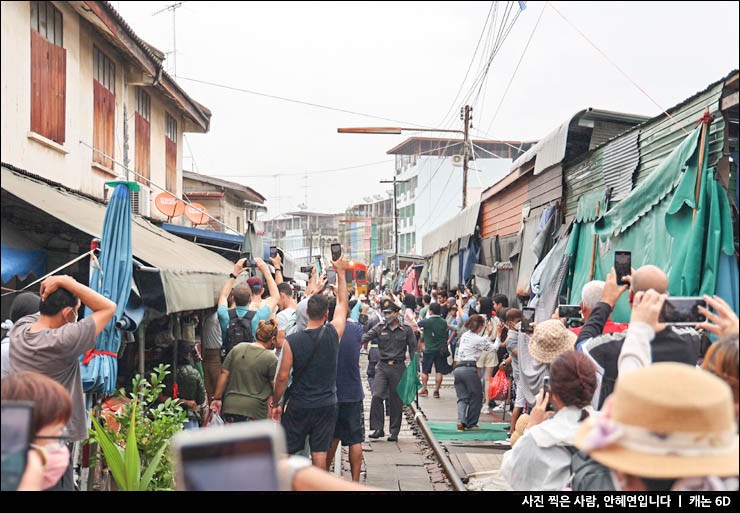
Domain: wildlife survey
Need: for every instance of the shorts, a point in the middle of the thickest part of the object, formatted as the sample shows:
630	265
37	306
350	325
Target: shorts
350	426
519	401
315	423
487	359
434	358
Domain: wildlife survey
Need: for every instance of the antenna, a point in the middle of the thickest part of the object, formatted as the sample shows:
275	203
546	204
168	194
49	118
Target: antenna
305	189
173	8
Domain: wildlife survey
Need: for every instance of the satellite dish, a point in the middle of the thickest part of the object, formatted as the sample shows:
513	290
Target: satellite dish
302	206
378	197
194	214
169	205
457	160
367	199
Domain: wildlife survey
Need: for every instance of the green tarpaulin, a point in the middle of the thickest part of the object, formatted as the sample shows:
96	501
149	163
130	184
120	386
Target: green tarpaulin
657	224
490	432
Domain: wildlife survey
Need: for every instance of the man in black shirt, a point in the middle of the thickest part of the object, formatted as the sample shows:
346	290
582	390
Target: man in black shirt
311	405
393	339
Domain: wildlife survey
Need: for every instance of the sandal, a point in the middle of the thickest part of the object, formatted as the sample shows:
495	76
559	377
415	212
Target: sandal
423	393
436	394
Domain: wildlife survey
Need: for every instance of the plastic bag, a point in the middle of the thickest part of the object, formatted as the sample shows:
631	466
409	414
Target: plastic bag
213	419
409	384
499	386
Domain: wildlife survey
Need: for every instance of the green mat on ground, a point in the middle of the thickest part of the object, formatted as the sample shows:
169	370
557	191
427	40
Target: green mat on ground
490	432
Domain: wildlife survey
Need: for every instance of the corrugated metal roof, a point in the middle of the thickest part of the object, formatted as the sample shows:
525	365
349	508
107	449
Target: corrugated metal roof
660	136
462	224
621	157
551	149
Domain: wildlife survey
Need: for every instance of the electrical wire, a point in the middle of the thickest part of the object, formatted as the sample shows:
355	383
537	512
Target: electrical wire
300	102
503	96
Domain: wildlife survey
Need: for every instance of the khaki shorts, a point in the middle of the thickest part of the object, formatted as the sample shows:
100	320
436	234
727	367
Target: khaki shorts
487	359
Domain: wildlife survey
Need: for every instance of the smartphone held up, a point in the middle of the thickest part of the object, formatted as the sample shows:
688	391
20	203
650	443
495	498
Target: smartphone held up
336	251
622	266
527	319
682	311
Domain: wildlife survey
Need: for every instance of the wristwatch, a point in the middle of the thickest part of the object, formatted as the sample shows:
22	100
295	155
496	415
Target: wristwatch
296	463
272	405
231	275
215	398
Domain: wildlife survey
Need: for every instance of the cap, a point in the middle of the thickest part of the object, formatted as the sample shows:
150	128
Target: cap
255	282
389	306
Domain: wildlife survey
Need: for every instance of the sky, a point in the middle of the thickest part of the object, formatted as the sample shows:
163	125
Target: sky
405	62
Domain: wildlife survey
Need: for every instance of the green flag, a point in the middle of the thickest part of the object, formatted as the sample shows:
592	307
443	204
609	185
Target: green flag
410	383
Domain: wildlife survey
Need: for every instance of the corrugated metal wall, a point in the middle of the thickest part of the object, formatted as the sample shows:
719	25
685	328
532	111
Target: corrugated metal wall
582	178
545	188
502	213
621	157
658	138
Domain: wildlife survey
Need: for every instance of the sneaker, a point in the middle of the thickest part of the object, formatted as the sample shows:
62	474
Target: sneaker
500	407
460	426
436	394
423	392
474	427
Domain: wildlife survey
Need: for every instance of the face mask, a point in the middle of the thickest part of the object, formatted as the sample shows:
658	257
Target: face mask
57	461
73	321
389	318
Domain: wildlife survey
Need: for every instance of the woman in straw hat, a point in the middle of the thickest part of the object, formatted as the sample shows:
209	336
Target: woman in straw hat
669	426
541	458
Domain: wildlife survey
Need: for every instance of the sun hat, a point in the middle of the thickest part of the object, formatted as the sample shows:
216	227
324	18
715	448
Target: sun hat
549	340
668	420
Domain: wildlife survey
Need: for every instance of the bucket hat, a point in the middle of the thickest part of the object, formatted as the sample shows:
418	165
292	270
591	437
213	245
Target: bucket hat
551	339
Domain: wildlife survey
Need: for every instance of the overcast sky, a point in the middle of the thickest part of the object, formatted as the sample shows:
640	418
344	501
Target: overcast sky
406	62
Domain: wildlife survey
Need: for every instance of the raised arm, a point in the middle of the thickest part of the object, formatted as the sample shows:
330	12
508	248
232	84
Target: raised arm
594	326
277	263
103	308
271	301
342	308
223	297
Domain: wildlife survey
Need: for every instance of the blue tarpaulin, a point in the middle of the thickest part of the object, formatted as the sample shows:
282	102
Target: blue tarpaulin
22	262
100	366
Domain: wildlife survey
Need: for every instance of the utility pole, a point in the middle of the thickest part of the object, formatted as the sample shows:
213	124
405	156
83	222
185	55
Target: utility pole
465	116
395	216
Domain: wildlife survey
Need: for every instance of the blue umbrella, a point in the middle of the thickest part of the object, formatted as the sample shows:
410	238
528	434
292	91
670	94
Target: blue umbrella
100	366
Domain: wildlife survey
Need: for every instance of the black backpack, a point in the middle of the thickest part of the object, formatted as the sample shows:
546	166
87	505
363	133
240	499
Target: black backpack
239	330
587	474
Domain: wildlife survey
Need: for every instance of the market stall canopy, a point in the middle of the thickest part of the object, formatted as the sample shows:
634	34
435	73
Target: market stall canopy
191	276
453	229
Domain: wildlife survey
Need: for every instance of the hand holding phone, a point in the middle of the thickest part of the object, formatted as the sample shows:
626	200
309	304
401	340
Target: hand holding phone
682	311
16	437
527	319
273	251
336	251
569	311
622	266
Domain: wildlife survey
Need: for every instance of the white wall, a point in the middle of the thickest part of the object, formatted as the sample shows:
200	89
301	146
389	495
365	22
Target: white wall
71	163
442	199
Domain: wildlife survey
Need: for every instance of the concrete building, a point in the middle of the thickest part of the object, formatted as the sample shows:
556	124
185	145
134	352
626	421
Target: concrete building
305	235
231	203
84	96
431	171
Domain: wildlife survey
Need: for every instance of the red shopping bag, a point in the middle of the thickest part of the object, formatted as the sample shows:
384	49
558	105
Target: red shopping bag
499	386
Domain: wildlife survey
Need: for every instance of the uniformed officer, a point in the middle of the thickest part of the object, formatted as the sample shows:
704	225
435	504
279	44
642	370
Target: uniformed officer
393	339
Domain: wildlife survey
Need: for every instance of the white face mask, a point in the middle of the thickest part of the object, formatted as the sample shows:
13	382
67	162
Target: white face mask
75	318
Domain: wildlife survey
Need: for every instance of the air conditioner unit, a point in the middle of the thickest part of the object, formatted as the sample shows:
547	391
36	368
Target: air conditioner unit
457	160
140	203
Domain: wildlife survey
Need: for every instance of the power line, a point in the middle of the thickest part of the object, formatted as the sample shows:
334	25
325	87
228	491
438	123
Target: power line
515	70
615	65
300	102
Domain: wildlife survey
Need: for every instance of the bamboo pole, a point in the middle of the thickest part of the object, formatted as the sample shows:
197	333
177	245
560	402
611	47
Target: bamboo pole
706	119
593	253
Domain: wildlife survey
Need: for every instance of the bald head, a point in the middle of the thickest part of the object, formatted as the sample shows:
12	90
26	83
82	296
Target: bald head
649	277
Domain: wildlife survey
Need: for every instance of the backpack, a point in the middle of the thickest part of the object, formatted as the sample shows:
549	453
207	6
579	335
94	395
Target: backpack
587	474
239	330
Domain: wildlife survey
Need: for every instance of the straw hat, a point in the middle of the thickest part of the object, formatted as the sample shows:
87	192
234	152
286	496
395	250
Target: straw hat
669	420
551	339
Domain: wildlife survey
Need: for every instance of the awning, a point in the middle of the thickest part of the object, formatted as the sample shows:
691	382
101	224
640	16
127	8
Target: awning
192	277
450	231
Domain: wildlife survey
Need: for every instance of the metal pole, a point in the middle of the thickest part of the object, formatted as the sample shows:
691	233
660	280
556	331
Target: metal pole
395	220
466	117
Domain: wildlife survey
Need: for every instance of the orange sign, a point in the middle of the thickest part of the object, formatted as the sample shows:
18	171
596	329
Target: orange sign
169	205
197	213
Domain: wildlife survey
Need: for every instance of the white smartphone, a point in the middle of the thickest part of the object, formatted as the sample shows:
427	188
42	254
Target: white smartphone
239	457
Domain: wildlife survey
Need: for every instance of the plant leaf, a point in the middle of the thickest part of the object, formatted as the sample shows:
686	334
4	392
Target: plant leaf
131	455
149	473
113	455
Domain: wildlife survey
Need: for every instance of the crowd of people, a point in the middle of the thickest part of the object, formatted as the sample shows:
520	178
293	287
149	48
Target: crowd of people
595	405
